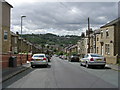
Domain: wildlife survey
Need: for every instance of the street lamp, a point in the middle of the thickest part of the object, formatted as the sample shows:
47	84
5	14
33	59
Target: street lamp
21	23
21	37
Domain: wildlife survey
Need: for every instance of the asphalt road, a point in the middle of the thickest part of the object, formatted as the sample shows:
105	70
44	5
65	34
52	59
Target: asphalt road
64	74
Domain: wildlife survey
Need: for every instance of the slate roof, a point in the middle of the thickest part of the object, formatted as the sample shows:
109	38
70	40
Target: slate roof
112	23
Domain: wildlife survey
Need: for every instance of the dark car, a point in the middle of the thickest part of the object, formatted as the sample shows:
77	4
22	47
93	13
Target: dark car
74	58
48	57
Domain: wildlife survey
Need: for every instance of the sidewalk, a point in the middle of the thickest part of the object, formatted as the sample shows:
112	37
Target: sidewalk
114	67
12	71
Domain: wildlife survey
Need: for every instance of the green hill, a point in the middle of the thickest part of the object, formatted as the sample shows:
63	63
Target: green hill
51	39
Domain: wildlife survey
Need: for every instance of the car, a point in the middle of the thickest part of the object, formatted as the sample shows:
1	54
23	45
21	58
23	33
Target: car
39	59
60	56
74	58
92	59
64	57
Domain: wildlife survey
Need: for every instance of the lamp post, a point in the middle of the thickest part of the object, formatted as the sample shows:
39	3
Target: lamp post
21	37
88	35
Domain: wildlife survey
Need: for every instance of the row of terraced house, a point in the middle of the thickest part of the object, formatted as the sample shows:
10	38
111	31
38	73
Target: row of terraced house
11	43
104	41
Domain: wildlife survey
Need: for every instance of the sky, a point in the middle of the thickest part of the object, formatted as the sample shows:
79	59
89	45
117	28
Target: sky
61	18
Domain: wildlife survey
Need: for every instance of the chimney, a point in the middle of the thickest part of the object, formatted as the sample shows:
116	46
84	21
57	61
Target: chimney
17	33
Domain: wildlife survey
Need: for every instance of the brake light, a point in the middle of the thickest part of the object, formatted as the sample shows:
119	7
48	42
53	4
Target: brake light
91	59
44	58
32	59
104	59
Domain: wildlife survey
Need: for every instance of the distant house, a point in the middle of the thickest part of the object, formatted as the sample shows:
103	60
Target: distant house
82	47
97	41
5	27
89	42
25	46
72	49
14	43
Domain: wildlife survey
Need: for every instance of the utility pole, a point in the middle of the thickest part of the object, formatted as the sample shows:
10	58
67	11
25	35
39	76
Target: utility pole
88	35
21	38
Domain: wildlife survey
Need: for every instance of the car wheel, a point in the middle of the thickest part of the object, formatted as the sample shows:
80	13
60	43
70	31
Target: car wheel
46	65
81	64
103	66
32	66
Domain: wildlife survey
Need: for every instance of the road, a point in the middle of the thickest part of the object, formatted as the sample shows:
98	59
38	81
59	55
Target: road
64	74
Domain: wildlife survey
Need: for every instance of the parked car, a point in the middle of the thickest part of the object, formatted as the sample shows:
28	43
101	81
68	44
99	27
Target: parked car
74	58
60	56
39	59
64	57
93	60
48	57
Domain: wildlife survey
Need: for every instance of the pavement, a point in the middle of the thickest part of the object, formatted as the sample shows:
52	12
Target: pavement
113	66
8	73
12	71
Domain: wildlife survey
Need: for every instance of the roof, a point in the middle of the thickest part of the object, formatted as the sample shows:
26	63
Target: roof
74	46
112	23
3	1
97	31
13	34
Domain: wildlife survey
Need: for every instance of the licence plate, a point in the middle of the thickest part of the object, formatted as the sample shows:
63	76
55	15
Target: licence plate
99	59
38	59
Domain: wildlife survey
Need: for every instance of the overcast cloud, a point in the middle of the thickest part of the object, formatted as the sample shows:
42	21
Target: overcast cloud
62	18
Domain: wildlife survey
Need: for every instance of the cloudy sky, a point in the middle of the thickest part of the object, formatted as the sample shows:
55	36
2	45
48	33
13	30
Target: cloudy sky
61	18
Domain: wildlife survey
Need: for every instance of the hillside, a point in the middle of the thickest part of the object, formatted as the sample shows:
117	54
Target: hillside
51	39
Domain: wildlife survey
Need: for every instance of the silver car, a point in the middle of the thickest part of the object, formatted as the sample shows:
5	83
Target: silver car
39	59
93	60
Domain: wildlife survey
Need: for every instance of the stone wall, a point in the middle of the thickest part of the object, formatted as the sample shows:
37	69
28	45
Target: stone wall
5	59
111	59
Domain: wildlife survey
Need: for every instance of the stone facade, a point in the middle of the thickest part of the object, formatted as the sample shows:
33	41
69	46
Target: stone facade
71	49
104	41
107	41
6	37
97	42
14	43
82	47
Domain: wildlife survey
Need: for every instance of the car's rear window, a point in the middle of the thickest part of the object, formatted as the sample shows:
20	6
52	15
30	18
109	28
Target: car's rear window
38	56
95	55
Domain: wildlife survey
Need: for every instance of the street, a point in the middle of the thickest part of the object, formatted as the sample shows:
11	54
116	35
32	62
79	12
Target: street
64	74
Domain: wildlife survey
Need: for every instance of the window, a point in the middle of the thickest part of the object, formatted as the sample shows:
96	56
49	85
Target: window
107	49
101	34
107	33
15	40
38	56
97	49
97	39
96	55
5	35
16	50
85	56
